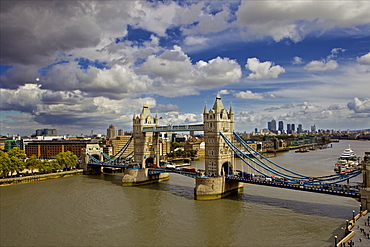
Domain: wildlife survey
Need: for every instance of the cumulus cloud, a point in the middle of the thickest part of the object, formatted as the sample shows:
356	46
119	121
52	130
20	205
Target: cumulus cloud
335	52
192	40
165	108
250	95
364	60
295	19
321	65
45	104
297	60
174	74
264	70
224	91
359	106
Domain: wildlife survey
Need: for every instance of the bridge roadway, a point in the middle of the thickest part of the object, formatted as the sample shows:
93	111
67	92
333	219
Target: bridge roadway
175	128
337	189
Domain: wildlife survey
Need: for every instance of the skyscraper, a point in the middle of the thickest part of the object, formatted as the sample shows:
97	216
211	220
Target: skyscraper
281	126
299	129
111	131
271	125
288	129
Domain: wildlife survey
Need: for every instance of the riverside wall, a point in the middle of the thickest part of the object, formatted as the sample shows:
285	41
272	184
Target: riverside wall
37	178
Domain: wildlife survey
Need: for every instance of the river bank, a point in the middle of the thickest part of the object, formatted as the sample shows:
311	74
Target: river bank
37	178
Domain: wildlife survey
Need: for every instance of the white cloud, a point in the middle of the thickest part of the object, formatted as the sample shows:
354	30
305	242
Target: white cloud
335	52
297	60
192	40
174	74
294	19
364	60
359	106
248	95
265	70
224	91
321	65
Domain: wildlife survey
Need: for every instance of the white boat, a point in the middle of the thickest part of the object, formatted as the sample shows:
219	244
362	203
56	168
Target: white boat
348	154
347	161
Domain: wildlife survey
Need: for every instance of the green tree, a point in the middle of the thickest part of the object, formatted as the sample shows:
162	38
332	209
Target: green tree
46	166
4	163
17	160
55	165
176	145
32	163
67	159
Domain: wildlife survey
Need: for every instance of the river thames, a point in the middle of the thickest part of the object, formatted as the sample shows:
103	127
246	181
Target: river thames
96	211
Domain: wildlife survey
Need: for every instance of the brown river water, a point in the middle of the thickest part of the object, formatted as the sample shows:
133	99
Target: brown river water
96	211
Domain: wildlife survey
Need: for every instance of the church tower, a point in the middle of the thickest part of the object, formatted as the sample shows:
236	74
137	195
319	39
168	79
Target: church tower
219	159
146	144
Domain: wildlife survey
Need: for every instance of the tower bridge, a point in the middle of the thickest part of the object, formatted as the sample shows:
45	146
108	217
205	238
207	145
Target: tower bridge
219	178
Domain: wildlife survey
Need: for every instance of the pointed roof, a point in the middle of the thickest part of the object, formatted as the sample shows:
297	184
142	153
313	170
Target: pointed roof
218	105
145	112
205	108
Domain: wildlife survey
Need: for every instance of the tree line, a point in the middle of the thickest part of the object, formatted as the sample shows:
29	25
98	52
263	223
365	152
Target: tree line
15	162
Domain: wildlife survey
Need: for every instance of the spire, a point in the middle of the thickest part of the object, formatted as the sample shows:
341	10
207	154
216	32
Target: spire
205	109
145	112
231	109
218	106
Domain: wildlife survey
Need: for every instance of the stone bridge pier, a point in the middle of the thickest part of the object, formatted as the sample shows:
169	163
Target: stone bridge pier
365	190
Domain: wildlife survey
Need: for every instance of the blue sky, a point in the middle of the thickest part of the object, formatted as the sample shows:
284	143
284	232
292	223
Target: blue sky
78	66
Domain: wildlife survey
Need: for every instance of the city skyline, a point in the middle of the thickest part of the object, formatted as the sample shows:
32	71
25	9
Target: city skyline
78	66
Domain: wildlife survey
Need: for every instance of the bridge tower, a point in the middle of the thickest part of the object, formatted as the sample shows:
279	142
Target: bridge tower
365	190
146	151
219	159
146	144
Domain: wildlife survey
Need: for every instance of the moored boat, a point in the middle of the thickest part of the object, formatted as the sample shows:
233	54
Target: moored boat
347	161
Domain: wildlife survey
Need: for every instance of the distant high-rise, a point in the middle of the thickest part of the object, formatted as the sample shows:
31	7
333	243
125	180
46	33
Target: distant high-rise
46	132
293	127
271	125
299	129
313	128
281	126
111	131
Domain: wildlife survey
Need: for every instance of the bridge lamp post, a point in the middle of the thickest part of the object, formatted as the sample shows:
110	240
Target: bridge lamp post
353	215
346	230
335	240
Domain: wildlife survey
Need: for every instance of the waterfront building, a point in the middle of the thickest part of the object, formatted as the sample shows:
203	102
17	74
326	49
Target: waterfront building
313	129
50	148
119	142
